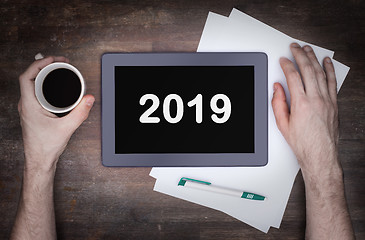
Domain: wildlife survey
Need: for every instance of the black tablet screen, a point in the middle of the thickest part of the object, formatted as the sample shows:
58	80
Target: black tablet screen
184	109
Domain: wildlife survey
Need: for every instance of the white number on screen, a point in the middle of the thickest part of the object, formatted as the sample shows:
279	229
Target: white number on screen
145	117
226	109
197	102
179	108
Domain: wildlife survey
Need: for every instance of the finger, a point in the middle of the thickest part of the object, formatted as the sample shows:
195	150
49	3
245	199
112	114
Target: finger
331	79
26	79
79	114
61	59
320	75
293	79
306	69
280	108
38	65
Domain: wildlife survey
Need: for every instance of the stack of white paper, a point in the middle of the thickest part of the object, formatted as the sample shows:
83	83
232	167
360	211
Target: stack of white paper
242	33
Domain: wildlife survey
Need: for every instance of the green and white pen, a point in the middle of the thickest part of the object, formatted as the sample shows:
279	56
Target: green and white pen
207	186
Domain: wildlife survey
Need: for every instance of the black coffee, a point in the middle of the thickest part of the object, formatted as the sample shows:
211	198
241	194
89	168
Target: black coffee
61	88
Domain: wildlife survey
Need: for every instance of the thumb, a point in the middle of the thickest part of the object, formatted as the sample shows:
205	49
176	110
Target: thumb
280	108
80	113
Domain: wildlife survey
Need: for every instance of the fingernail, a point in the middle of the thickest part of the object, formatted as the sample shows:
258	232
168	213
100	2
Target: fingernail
328	60
38	56
307	48
90	101
295	45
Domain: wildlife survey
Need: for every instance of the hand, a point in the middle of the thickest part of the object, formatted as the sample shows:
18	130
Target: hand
45	135
311	125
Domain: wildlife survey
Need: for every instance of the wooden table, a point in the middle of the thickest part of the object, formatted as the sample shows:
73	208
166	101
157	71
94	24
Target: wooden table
94	202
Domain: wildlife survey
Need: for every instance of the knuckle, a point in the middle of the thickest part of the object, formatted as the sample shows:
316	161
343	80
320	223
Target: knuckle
303	106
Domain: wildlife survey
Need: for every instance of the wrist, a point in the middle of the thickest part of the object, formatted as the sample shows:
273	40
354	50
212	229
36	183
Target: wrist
321	165
35	164
326	180
37	182
35	174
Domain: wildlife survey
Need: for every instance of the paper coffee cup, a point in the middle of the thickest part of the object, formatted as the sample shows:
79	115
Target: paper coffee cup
39	87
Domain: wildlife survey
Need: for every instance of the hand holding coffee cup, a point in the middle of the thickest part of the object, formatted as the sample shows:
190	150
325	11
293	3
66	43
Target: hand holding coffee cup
45	136
59	87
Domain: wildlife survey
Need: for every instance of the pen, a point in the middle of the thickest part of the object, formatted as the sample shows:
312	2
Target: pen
207	186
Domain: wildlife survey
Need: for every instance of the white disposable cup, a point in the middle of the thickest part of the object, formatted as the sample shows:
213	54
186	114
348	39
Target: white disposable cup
39	87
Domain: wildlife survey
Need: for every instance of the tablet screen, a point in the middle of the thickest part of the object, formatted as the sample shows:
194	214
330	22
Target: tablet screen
184	109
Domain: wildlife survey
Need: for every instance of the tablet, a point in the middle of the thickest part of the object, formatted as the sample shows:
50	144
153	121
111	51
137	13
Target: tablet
184	109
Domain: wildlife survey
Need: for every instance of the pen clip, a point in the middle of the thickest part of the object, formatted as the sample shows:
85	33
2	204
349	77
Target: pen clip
252	196
184	179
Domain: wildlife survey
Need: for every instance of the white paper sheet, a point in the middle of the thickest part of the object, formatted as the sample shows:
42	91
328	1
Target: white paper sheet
218	202
243	33
277	41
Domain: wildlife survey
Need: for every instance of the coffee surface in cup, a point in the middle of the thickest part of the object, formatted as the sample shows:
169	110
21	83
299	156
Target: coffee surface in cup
61	87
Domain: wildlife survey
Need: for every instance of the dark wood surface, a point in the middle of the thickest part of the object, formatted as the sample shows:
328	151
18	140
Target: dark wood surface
94	202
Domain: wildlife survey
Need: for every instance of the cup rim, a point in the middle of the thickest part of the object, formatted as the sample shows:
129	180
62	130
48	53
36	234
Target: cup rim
39	86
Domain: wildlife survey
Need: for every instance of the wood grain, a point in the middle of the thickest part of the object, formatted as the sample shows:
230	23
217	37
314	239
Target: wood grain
94	202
